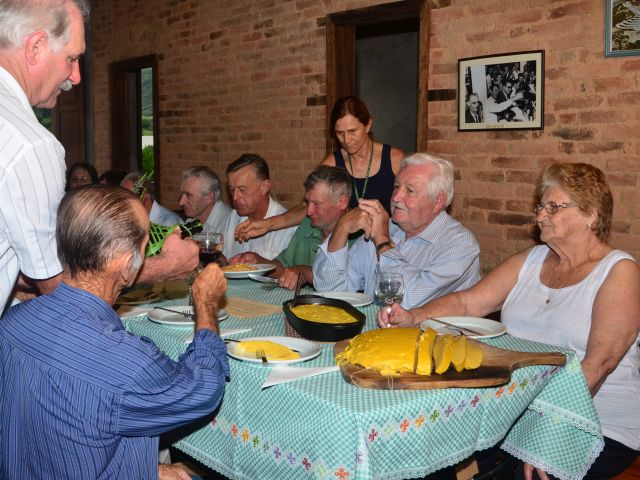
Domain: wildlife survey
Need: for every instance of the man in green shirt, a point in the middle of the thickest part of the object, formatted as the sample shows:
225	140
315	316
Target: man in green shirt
327	193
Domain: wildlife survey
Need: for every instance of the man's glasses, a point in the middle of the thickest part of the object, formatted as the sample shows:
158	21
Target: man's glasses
553	207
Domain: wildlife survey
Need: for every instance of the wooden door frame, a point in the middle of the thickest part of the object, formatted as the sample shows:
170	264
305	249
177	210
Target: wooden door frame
341	55
120	125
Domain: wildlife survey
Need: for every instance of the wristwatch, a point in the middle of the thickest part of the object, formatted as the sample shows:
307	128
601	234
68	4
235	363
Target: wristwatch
388	243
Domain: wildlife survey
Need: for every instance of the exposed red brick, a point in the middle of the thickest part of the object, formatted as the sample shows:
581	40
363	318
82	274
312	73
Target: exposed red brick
573	133
483	203
509	218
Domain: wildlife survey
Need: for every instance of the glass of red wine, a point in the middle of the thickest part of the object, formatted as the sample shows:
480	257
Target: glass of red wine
210	245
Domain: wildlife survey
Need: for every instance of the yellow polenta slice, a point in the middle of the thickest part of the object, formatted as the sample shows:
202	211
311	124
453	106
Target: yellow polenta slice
425	352
459	352
473	357
442	353
272	350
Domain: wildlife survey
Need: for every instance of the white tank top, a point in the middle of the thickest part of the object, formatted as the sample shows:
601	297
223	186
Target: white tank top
565	321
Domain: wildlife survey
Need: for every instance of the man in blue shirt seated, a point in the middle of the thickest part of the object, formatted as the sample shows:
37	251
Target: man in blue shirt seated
327	193
81	398
435	254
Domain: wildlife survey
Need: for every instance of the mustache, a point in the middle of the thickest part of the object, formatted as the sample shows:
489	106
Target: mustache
66	85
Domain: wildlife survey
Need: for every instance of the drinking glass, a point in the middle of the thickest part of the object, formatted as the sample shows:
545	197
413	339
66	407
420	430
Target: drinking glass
389	288
210	246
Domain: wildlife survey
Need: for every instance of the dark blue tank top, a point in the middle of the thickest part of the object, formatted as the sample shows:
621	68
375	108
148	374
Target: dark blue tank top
379	186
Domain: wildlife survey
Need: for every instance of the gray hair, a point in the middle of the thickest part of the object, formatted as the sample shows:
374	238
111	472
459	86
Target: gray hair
208	179
336	178
19	18
134	177
442	179
96	224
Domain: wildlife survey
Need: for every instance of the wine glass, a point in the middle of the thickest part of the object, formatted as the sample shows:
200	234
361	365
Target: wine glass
210	246
389	288
210	249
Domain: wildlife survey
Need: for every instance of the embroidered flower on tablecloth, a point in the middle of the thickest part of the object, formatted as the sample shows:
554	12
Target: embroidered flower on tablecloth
341	473
462	405
306	463
475	401
404	425
245	435
277	452
523	384
256	441
448	411
373	434
321	470
499	392
234	430
434	416
359	456
419	421
292	458
512	388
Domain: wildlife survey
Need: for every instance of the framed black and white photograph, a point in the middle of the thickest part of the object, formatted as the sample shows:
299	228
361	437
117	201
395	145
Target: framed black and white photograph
501	92
622	28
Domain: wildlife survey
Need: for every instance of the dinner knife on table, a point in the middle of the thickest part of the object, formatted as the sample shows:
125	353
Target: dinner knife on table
262	278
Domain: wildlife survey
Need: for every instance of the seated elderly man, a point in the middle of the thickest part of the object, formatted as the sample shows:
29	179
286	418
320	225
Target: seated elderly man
201	198
249	186
327	193
157	213
435	254
81	397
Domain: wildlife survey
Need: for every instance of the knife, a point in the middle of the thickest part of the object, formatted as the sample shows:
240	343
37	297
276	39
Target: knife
463	330
262	278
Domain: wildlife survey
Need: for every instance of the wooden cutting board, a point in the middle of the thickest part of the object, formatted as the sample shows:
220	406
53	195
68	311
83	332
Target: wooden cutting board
496	369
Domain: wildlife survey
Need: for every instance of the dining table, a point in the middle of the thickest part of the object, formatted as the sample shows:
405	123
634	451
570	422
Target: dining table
323	427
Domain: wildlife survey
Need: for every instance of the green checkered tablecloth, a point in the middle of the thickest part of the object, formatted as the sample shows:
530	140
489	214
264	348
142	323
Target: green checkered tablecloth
324	428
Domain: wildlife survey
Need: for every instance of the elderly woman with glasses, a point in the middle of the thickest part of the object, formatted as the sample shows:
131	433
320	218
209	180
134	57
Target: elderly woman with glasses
574	291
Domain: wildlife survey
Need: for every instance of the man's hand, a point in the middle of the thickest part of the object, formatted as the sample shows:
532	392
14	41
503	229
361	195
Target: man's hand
528	472
289	277
251	229
207	290
396	316
247	257
379	229
172	472
351	222
177	259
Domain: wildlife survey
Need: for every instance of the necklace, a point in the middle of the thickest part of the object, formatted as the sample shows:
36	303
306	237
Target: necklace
366	178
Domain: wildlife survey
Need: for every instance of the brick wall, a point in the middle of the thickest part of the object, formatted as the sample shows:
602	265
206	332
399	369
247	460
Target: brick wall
235	76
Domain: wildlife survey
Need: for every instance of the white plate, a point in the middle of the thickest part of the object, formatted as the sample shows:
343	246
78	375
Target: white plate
305	348
169	318
259	268
488	328
354	298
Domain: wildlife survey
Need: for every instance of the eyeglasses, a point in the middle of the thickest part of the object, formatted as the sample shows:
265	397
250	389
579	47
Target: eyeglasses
79	179
553	207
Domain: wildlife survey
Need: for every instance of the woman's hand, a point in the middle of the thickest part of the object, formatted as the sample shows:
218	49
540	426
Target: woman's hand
528	472
251	229
396	316
172	472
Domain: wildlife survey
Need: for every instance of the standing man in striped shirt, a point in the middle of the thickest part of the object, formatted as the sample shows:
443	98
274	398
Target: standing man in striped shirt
435	254
41	42
81	398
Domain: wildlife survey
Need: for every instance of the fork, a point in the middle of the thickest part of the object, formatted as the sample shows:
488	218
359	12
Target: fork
179	312
260	354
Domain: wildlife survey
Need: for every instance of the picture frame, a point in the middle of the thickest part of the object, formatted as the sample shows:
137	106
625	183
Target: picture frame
622	28
482	107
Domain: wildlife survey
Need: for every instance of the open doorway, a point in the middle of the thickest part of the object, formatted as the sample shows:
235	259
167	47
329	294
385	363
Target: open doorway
134	115
380	54
387	77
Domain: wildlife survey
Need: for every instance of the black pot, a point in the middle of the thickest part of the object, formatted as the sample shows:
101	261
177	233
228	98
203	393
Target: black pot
324	332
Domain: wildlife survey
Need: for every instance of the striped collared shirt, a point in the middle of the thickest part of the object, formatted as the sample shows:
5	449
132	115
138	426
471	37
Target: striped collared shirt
442	258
